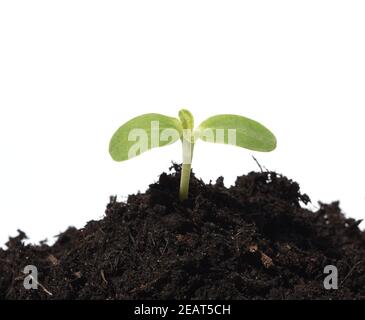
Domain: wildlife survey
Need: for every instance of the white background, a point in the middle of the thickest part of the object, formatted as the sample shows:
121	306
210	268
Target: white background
71	72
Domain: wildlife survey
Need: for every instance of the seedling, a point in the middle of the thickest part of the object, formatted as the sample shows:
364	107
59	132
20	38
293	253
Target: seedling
154	130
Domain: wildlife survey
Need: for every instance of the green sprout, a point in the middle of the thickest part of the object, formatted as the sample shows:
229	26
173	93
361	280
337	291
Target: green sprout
154	130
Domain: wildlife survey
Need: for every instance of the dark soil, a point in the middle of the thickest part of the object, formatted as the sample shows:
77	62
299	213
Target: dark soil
250	241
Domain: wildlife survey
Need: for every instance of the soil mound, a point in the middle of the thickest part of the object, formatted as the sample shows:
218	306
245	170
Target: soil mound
250	241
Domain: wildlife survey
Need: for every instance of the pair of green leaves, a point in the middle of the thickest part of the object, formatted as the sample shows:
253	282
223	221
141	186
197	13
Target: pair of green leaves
154	130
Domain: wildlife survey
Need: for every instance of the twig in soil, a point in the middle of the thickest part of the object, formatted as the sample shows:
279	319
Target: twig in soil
37	282
53	260
151	238
132	239
258	163
144	286
350	272
103	276
164	249
43	287
135	246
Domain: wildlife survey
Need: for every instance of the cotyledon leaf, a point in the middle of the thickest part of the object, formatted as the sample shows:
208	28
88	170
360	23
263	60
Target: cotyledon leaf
237	130
143	133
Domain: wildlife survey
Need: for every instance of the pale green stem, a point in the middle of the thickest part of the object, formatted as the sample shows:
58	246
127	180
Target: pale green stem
184	182
185	174
188	140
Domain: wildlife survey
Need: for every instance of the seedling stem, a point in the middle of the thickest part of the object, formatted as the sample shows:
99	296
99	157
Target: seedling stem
187	122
